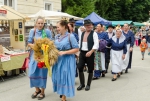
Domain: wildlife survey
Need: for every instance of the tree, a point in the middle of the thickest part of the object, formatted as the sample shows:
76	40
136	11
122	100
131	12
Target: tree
80	8
135	10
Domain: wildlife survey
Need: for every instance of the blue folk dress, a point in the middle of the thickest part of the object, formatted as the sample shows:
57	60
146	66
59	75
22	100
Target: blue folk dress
38	77
63	72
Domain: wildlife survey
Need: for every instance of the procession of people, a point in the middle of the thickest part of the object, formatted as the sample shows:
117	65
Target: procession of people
100	50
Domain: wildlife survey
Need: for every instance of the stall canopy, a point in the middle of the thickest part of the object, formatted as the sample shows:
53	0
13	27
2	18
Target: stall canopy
138	24
53	15
115	23
146	23
7	13
95	19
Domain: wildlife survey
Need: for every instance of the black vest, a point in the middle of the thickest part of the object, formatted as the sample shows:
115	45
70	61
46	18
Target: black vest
76	31
90	41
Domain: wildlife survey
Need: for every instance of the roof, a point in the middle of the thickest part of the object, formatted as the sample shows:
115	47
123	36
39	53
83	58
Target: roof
11	14
114	23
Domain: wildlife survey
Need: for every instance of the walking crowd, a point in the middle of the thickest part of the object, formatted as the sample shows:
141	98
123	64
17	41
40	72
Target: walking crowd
88	46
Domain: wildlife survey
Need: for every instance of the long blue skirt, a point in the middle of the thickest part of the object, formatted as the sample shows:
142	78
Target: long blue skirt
38	77
63	75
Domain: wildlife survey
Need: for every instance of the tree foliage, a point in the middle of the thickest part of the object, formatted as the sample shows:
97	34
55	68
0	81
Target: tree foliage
80	8
135	10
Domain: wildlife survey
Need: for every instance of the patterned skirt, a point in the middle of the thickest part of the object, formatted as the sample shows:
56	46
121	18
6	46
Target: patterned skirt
97	64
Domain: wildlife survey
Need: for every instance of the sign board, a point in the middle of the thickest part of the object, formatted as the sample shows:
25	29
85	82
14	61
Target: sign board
3	12
20	24
5	58
20	37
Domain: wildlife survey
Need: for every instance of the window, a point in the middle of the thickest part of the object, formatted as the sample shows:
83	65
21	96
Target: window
47	6
9	3
5	2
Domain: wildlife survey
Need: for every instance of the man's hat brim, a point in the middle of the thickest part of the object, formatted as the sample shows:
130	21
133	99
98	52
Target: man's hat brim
88	22
110	26
71	20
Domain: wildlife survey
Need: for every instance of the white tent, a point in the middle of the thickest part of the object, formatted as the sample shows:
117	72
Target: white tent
146	23
53	15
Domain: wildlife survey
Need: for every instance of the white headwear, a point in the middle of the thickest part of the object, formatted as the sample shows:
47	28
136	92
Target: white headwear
121	39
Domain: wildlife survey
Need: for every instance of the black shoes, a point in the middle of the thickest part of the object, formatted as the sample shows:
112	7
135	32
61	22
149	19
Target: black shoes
82	81
106	71
95	78
126	71
87	88
41	97
103	75
118	76
80	87
35	95
60	96
114	79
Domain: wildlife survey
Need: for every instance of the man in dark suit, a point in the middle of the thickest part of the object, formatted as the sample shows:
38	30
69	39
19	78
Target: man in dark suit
107	52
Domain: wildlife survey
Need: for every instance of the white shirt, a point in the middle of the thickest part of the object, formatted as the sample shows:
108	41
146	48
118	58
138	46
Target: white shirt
95	39
84	46
110	35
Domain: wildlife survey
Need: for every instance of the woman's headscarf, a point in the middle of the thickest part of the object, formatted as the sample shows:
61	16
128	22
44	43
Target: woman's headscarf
121	39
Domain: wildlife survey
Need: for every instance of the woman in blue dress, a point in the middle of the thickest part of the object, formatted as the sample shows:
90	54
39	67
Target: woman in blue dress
63	72
118	51
38	77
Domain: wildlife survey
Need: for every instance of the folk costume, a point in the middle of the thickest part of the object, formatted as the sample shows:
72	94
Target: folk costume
38	76
130	43
107	51
100	58
86	45
118	48
63	72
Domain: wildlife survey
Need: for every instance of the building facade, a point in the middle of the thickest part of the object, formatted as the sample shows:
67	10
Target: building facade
29	7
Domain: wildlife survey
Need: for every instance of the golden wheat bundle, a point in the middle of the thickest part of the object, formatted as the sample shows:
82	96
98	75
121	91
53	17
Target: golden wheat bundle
45	52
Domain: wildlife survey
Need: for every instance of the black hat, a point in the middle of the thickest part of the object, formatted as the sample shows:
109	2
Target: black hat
71	20
111	26
88	21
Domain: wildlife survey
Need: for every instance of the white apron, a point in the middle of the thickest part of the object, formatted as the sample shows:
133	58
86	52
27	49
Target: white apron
127	56
103	60
117	61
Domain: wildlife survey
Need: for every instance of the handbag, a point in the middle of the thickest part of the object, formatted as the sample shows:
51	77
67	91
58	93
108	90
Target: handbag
27	59
102	45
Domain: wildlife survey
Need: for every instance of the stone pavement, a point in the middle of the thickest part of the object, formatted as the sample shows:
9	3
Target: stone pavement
134	86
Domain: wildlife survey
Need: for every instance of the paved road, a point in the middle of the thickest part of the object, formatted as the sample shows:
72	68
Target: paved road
134	86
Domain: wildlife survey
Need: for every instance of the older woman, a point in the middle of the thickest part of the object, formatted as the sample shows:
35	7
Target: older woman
118	51
63	72
38	77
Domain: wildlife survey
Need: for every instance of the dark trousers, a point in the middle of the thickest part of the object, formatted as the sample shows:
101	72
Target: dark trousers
139	41
88	60
130	61
107	58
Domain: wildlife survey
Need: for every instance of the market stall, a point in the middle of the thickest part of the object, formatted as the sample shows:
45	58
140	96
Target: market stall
115	23
12	57
53	15
96	19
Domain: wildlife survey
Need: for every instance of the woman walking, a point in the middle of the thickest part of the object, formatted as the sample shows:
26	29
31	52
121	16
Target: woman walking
118	51
38	77
63	72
